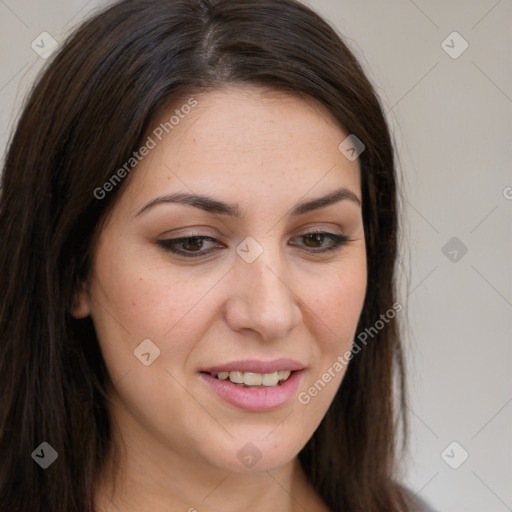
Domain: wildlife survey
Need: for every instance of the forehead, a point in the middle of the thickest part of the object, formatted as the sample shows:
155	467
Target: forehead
253	119
249	140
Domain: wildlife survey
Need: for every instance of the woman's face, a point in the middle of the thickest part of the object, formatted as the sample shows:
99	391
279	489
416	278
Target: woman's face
246	295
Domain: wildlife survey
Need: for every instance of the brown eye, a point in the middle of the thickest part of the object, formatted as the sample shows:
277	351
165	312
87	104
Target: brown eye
316	241
190	246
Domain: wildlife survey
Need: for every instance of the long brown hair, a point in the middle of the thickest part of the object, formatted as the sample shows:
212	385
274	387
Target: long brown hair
83	120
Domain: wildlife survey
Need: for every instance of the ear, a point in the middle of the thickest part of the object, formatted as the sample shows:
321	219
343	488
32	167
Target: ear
81	303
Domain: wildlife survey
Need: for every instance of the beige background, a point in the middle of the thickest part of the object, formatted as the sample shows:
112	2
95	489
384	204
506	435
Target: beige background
452	122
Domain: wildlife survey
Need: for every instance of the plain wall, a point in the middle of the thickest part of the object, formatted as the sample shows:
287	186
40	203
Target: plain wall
451	118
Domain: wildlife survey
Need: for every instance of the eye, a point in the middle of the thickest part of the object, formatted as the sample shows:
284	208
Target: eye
315	240
194	246
190	246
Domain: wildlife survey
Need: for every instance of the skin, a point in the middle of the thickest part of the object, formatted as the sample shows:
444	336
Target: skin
266	151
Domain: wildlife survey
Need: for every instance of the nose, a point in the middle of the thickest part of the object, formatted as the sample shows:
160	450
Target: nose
262	298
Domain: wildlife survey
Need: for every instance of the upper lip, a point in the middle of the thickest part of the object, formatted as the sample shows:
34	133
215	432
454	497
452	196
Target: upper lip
256	366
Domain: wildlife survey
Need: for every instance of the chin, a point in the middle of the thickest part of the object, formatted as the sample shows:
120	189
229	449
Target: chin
249	455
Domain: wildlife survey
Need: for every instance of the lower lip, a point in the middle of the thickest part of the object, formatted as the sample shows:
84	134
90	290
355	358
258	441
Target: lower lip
255	399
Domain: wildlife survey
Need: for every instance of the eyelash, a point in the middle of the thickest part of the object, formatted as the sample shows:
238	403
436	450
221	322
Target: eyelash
170	244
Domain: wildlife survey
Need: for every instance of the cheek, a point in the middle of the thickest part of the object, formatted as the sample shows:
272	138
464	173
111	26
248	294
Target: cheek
336	315
338	306
134	300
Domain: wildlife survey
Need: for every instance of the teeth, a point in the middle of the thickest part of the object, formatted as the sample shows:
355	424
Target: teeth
236	377
284	374
254	379
270	379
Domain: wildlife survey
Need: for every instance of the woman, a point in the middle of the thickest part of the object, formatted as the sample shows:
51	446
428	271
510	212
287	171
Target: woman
198	307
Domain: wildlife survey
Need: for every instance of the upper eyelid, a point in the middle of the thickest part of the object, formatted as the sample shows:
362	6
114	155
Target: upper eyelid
205	232
211	238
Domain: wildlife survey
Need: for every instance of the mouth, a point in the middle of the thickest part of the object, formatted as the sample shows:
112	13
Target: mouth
254	385
252	379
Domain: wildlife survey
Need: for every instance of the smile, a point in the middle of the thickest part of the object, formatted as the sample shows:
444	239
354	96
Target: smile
251	379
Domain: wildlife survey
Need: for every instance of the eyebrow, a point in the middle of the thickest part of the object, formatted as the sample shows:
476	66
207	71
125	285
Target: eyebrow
214	206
